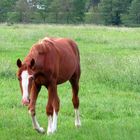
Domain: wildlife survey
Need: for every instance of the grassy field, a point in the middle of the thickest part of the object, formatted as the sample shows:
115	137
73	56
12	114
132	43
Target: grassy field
109	86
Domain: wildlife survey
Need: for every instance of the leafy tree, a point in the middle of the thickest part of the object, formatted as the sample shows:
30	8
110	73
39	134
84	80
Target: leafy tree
114	12
134	12
6	6
119	8
106	11
67	11
94	2
23	9
54	10
43	8
111	10
78	10
91	3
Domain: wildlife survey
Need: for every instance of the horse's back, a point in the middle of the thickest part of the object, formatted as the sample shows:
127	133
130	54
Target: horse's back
67	46
69	58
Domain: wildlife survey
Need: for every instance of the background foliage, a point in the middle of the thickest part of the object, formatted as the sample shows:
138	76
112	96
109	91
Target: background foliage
108	12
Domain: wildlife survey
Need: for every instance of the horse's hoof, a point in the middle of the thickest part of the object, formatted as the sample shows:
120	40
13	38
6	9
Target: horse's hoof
40	130
78	124
49	133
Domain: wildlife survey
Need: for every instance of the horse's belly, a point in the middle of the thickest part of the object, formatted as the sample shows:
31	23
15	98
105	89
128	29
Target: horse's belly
63	79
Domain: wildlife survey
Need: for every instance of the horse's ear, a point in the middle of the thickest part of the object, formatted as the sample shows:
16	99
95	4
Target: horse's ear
32	63
19	63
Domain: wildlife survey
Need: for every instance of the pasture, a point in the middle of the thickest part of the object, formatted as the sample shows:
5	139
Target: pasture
109	86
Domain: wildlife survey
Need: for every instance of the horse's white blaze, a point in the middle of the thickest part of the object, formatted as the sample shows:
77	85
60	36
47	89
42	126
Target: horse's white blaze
77	118
25	82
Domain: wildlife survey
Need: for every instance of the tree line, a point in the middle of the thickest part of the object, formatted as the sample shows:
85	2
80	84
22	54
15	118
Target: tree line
107	12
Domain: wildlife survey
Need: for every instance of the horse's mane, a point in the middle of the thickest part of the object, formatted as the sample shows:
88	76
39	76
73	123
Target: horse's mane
40	48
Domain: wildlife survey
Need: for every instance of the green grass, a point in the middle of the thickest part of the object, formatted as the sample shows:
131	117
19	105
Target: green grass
109	86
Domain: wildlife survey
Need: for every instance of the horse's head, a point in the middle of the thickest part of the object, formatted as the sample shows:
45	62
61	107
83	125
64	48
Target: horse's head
25	77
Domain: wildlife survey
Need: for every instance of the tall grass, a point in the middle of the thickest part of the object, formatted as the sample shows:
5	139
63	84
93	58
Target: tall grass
109	85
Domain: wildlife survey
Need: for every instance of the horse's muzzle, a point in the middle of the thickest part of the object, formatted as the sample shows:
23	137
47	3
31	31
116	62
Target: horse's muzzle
25	102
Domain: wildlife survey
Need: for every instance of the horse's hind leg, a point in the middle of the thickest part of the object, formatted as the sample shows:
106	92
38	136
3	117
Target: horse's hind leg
75	99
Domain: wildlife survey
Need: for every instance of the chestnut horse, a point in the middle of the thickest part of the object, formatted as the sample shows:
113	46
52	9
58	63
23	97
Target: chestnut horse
50	62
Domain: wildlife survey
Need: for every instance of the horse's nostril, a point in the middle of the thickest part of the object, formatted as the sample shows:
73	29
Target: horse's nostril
25	101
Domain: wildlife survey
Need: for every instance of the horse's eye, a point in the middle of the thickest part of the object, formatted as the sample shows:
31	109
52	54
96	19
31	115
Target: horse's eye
31	78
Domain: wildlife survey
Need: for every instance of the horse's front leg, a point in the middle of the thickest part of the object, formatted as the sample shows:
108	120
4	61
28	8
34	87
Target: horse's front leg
34	94
52	108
